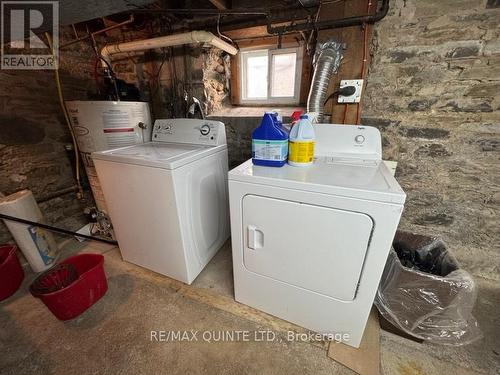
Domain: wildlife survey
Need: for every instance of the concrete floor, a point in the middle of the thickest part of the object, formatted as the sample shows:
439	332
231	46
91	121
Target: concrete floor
114	336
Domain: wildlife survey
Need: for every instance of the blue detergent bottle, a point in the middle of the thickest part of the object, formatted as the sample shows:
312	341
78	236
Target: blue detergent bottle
269	143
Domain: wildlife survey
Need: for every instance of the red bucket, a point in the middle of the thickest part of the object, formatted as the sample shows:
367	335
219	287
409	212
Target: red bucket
11	272
91	284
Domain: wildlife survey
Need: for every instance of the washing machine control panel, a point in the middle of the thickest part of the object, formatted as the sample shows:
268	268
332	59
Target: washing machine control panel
192	131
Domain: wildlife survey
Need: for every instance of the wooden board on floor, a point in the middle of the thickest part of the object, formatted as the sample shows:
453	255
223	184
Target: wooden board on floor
364	360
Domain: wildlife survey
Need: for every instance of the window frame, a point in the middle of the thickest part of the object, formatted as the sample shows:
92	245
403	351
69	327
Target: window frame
270	100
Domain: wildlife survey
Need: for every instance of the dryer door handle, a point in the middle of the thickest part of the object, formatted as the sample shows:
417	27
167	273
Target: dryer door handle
255	238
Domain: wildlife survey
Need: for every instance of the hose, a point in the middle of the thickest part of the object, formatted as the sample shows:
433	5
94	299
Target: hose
79	193
56	229
326	62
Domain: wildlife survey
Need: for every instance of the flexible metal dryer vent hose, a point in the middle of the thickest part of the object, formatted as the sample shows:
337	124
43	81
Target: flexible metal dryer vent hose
326	62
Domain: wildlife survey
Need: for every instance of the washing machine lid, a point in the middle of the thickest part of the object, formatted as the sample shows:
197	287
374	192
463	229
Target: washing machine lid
336	175
158	154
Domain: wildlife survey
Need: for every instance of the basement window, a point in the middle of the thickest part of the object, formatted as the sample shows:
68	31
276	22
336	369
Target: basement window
270	76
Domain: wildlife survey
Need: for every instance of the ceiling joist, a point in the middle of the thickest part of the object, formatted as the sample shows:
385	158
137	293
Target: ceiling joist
220	4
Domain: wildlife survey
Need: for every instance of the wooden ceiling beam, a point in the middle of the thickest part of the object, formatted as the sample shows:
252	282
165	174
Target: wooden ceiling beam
220	4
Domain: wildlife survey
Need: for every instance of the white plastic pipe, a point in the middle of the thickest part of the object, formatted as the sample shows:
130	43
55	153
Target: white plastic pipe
166	41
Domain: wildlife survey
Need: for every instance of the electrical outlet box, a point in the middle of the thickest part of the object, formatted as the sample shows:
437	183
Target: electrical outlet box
354	98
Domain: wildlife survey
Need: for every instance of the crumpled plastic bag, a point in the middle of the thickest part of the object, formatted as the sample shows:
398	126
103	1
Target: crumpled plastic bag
425	293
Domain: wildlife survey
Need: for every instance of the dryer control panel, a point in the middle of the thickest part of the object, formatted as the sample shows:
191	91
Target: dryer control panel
190	131
348	142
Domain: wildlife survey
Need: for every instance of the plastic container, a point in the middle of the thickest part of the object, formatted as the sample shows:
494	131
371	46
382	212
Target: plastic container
57	278
269	143
313	117
11	272
91	284
37	244
301	144
296	116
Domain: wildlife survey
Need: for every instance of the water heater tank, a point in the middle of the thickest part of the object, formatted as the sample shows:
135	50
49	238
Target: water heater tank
103	125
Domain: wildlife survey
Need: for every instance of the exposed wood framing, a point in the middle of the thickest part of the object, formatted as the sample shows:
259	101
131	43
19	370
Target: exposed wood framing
350	67
220	4
352	61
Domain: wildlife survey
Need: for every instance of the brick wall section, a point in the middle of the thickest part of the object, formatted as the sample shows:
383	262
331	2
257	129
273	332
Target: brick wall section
433	89
33	134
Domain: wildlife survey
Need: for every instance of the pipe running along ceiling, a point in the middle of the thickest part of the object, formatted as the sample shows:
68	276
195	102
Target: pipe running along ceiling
192	37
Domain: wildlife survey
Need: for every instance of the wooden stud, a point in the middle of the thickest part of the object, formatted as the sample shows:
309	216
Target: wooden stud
350	67
220	4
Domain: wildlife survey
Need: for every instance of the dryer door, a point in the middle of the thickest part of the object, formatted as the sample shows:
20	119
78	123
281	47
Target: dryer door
317	248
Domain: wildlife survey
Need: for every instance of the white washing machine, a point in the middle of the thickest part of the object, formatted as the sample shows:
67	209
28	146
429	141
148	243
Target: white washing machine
310	243
167	198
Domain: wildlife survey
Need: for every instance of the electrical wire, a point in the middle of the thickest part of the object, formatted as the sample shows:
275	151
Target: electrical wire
220	34
154	78
96	75
156	75
111	73
79	194
175	82
316	18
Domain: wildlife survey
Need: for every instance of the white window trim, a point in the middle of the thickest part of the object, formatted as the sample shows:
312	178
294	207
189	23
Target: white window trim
245	54
295	100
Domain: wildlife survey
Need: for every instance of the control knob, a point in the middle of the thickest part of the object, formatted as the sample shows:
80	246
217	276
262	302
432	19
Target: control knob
205	129
359	139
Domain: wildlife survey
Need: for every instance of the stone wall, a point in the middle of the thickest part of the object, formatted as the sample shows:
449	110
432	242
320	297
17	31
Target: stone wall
216	75
433	89
198	71
33	135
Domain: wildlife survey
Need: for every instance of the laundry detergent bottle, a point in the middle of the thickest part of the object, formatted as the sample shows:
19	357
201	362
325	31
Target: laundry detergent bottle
269	143
301	144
